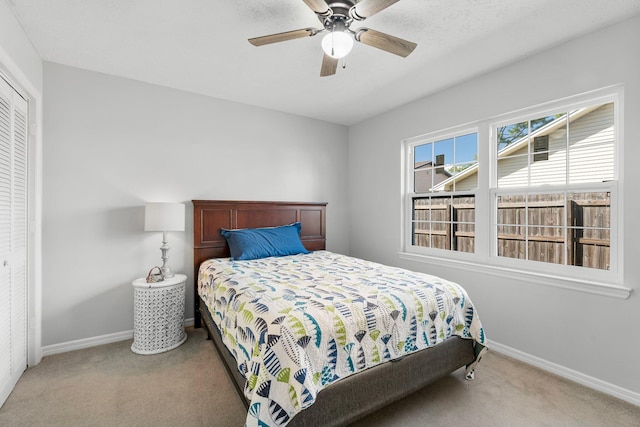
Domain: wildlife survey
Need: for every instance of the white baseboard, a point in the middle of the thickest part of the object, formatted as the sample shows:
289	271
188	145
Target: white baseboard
93	341
570	374
64	347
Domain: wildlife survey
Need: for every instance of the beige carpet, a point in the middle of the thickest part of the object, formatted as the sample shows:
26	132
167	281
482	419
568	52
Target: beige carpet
111	386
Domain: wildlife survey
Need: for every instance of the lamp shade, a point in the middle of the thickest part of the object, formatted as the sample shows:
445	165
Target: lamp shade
164	217
337	44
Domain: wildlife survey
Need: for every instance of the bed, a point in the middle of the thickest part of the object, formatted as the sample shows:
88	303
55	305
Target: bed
362	371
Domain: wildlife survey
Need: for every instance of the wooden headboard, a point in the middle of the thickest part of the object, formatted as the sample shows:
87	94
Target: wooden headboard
210	216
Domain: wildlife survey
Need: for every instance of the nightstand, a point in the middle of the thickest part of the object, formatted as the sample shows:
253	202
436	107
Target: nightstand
158	319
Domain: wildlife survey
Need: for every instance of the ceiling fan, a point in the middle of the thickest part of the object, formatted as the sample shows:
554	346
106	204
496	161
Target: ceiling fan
336	18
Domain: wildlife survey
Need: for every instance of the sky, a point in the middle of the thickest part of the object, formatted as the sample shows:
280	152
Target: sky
457	150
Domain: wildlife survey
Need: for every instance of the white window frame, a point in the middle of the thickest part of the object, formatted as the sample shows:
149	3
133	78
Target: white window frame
409	146
485	259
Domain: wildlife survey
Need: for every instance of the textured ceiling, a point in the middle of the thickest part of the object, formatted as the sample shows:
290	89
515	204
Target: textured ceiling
201	46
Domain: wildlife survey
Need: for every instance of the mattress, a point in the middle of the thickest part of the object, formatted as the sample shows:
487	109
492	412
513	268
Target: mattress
296	324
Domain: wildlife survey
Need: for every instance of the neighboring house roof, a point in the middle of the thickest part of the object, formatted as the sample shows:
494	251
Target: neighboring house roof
519	144
423	171
428	163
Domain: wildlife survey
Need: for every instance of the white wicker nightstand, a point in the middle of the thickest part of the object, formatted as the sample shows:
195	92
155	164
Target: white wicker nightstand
158	315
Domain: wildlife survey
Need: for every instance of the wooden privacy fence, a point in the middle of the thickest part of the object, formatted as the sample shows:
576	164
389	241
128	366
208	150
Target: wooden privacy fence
532	228
443	220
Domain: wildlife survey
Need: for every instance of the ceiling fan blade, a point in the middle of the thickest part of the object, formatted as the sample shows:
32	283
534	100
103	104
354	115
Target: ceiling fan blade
386	42
318	6
329	66
281	37
368	8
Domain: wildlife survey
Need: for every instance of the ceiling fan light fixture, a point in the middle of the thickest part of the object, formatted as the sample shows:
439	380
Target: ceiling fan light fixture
337	44
336	17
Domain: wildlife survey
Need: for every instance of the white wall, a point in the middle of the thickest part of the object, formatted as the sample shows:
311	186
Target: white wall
594	335
113	144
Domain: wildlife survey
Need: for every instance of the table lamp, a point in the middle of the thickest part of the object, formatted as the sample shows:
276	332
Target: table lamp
164	217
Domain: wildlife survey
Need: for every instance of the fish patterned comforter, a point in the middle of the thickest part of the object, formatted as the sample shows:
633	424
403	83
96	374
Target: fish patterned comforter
296	324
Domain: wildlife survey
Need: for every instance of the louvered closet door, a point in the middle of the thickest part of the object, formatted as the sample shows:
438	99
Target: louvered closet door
13	238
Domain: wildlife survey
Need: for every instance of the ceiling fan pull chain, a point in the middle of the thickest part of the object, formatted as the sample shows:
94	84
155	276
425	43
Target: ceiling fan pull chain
344	62
333	36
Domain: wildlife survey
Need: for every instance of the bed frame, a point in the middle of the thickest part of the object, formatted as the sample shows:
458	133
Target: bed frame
348	399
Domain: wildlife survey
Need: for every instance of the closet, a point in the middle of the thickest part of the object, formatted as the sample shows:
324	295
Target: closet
13	237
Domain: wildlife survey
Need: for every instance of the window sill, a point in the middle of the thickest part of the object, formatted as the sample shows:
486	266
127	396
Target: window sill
587	286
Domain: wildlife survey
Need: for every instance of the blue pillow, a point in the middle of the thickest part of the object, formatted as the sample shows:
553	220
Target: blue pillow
254	243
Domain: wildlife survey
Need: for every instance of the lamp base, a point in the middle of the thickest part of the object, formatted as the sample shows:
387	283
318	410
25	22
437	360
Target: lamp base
166	270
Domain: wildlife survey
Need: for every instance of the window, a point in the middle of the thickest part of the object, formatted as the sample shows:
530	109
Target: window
443	199
573	151
533	193
541	148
